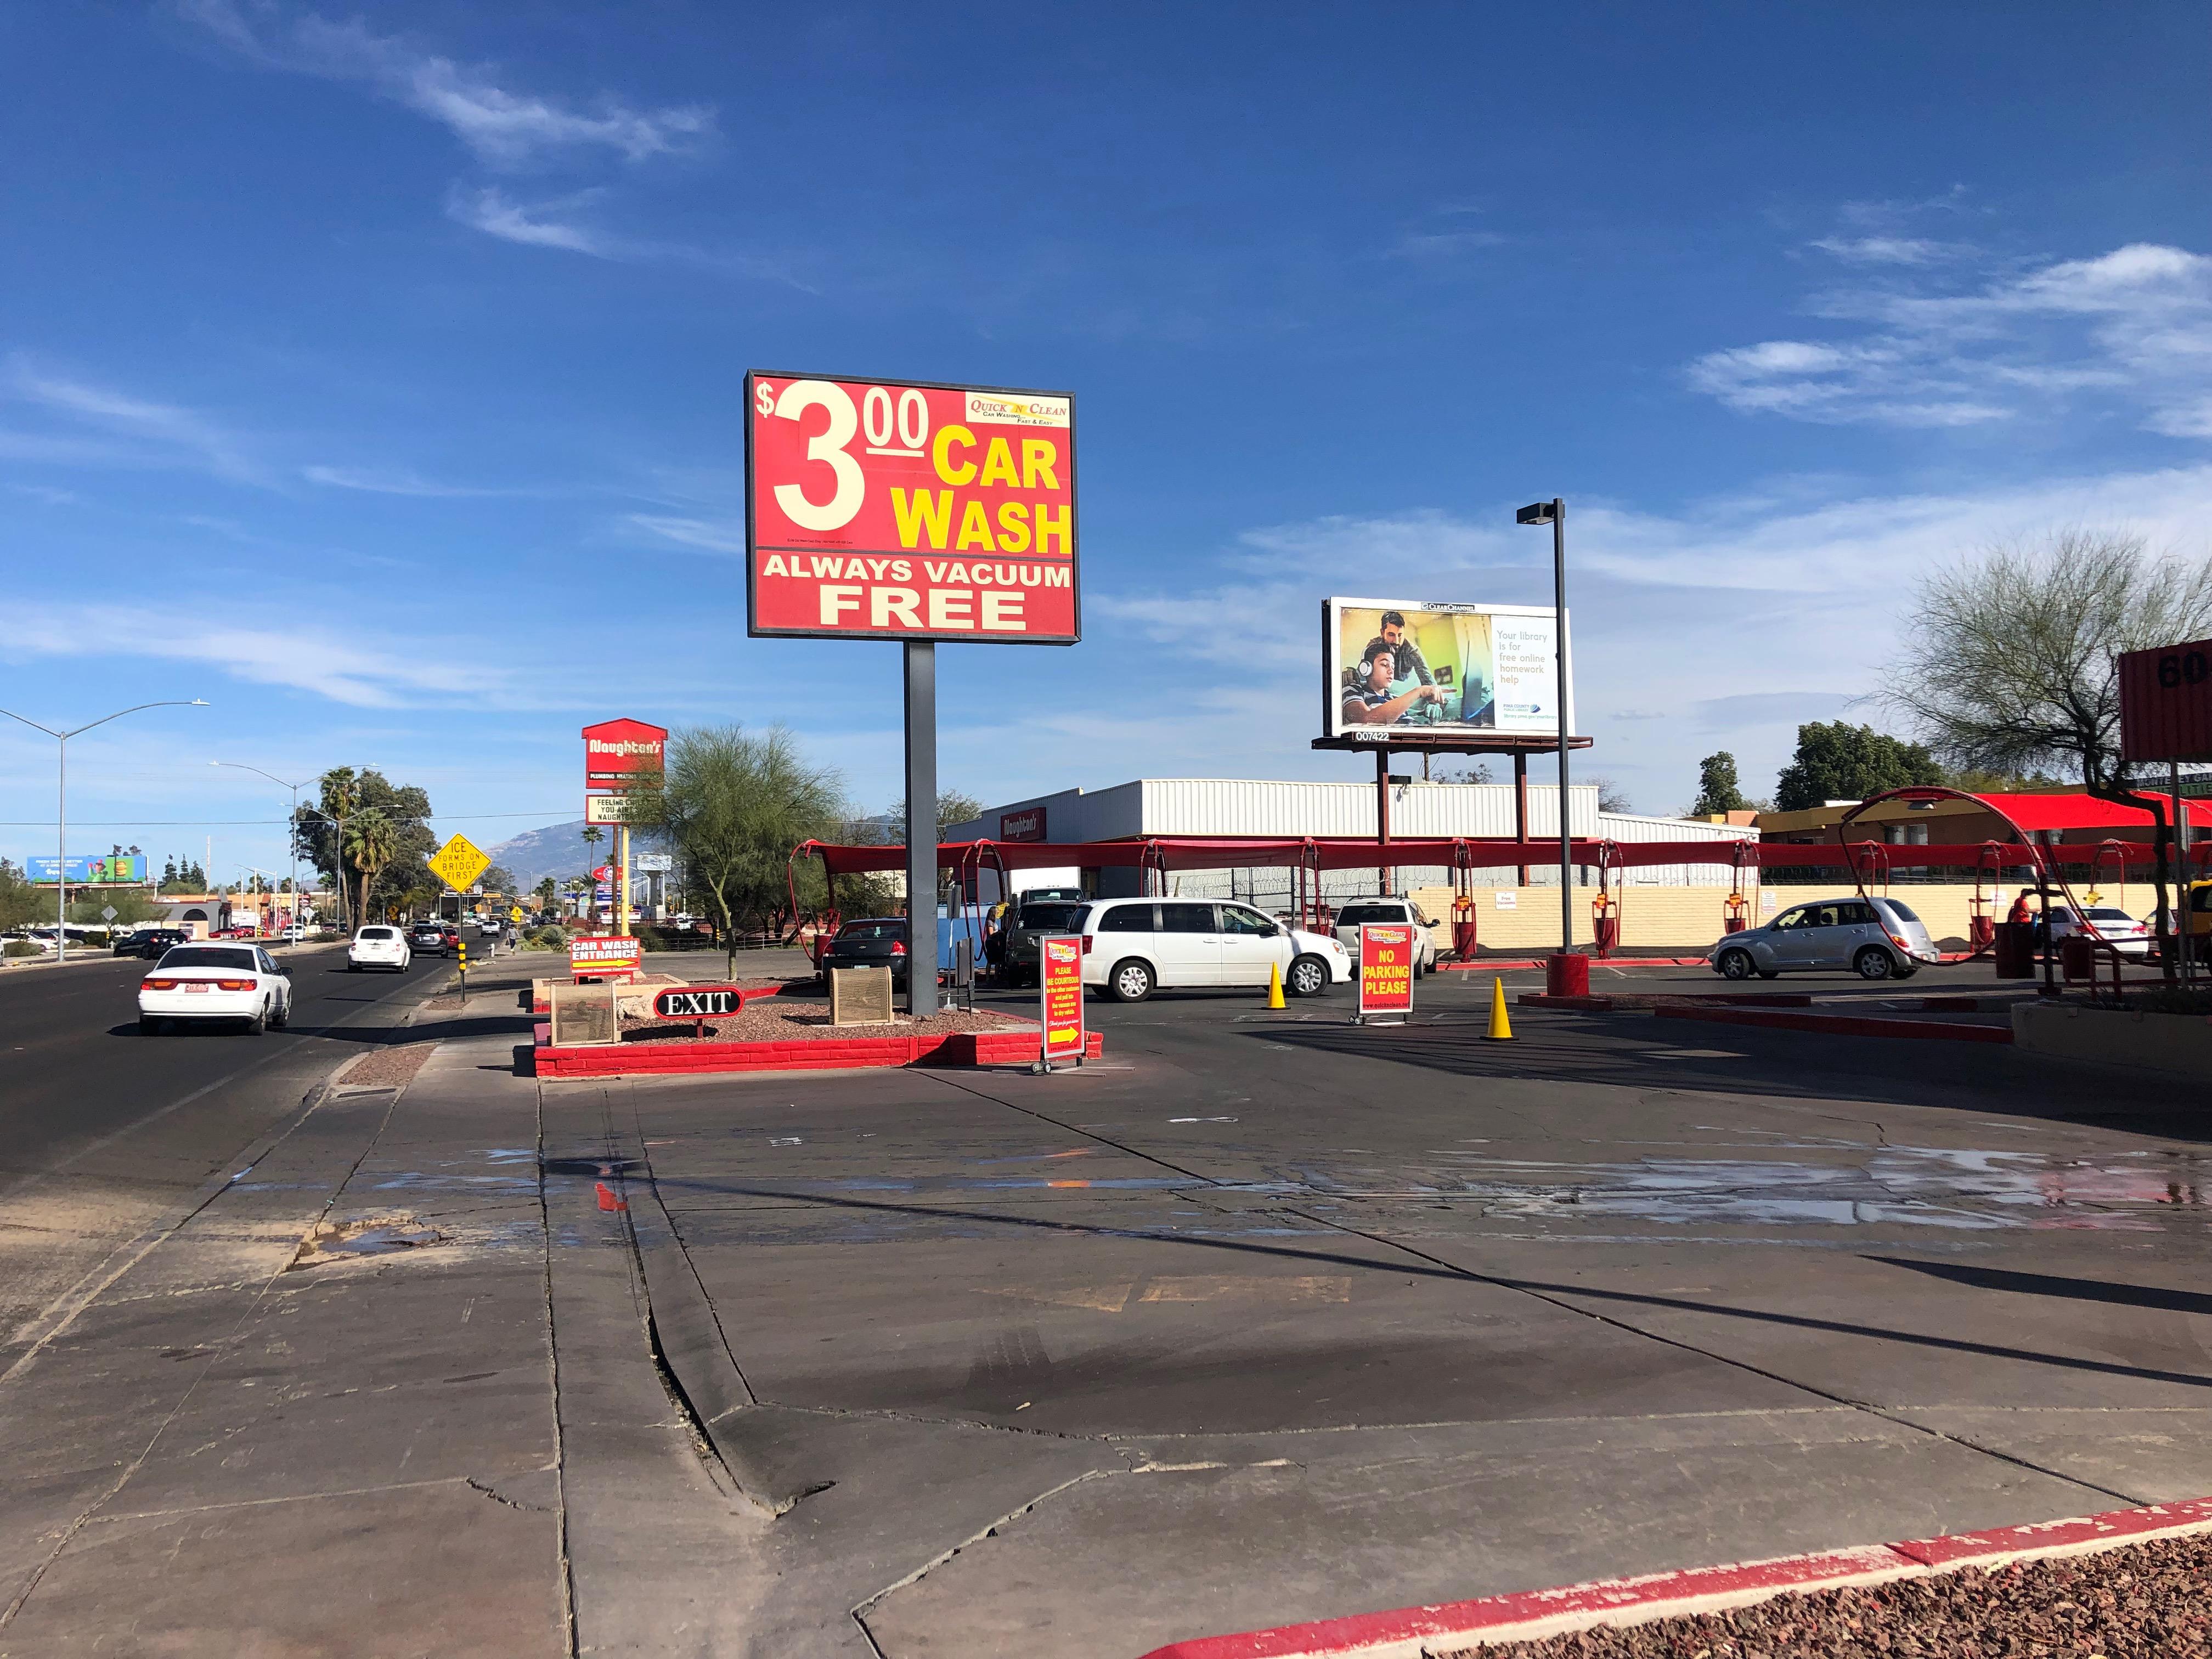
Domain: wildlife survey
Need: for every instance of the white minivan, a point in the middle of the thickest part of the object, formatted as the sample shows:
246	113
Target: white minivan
1133	947
379	947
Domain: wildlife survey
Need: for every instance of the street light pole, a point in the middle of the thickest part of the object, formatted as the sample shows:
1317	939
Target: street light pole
1554	514
291	827
61	804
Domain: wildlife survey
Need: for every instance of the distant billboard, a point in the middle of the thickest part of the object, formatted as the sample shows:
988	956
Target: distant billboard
1428	668
910	509
107	870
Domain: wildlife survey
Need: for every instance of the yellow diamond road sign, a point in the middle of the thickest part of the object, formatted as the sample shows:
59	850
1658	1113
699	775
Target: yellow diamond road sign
458	864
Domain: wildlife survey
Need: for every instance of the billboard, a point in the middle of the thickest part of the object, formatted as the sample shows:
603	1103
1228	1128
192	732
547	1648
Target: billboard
107	870
910	510
1413	668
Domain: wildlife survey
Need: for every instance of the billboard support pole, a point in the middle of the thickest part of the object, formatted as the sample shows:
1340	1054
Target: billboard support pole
1521	810
1559	604
920	826
1383	815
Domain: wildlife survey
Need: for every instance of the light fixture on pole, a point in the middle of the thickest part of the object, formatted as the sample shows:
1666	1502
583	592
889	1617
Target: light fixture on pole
292	824
60	803
1554	514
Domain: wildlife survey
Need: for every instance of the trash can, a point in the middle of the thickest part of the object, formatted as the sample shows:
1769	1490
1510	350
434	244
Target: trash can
2077	959
1566	974
2013	950
1607	928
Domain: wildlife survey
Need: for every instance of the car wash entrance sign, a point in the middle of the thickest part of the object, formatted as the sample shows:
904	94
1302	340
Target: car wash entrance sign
908	510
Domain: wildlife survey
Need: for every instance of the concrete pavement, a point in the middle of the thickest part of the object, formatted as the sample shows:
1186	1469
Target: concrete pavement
1264	1318
1272	1318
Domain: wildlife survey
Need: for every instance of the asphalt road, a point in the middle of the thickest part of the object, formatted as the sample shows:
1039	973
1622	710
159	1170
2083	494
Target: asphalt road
108	1132
1268	1317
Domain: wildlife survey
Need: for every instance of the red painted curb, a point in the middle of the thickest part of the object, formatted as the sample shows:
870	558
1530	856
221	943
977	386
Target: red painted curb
1411	1632
1012	1046
1839	1024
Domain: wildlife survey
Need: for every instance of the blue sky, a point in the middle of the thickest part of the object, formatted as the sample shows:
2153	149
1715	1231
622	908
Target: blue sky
376	376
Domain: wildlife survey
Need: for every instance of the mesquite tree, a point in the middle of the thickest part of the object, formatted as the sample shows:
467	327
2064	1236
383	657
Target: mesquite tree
2008	662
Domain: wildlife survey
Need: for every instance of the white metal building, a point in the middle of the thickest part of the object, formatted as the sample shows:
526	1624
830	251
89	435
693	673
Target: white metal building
1242	806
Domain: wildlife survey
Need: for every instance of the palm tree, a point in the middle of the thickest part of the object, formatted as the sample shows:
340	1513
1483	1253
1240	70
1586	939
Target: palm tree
372	842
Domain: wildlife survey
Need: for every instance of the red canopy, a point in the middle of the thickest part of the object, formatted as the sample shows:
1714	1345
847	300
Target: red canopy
1356	853
2074	811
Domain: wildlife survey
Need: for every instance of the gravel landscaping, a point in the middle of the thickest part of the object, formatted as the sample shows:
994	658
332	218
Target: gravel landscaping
2142	1599
387	1068
773	1019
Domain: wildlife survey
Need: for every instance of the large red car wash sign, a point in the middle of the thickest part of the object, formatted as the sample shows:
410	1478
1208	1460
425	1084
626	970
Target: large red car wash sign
620	755
2165	703
910	510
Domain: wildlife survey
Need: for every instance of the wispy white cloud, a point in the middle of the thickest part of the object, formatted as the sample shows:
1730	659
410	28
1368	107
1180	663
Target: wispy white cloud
45	493
486	208
708	534
1886	249
400	483
151	432
504	127
330	664
2134	325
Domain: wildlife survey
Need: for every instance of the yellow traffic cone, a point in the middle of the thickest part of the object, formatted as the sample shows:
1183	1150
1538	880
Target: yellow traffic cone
1501	1029
1275	986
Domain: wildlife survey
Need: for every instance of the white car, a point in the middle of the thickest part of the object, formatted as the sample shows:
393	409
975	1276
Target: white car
1132	947
489	928
195	982
295	932
1396	912
379	947
2115	926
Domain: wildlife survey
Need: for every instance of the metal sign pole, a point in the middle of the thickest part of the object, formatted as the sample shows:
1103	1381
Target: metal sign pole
1559	624
921	826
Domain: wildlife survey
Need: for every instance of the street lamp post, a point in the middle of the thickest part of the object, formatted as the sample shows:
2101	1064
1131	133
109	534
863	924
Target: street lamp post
291	826
1554	514
60	803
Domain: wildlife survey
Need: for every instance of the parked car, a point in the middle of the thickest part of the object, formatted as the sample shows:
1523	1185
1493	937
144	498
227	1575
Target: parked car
872	942
1398	911
202	982
154	941
1034	919
427	938
377	946
2115	926
1132	947
1874	938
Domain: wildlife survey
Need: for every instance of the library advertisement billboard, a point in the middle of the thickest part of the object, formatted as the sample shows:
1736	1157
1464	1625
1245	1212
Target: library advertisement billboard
1415	668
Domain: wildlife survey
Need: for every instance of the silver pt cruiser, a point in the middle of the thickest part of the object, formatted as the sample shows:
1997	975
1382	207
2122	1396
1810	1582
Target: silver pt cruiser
1875	938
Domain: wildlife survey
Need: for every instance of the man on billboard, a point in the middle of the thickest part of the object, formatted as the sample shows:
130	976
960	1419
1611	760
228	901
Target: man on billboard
1411	664
1378	697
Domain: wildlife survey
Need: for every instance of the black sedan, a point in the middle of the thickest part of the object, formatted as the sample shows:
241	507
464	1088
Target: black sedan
427	938
152	943
877	942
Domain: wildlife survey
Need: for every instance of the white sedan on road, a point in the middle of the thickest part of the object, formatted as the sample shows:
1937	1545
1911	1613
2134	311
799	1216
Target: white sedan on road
379	947
197	982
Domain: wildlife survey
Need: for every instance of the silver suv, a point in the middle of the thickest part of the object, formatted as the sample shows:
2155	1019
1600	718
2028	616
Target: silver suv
1875	938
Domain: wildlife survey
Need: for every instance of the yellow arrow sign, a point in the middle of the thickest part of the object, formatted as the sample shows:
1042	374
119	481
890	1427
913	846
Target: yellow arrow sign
458	863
